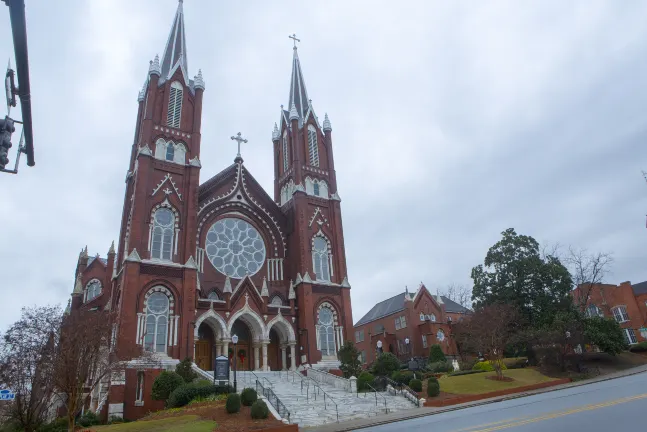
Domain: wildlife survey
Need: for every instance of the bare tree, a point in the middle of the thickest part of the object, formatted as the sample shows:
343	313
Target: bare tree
458	293
588	270
26	352
488	331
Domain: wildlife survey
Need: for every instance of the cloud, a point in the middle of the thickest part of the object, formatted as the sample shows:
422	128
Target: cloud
452	122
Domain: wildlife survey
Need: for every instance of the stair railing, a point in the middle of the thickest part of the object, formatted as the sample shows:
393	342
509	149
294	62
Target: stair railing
274	400
327	397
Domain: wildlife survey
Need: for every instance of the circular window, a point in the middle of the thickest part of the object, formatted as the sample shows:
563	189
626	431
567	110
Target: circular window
164	217
157	303
440	335
235	248
325	316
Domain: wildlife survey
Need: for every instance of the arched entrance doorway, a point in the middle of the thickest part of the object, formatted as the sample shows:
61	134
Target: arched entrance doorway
205	347
281	352
243	355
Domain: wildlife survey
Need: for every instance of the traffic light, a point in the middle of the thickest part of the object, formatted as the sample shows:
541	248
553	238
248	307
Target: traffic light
6	129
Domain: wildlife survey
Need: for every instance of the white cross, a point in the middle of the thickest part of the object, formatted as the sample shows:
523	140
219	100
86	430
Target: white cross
238	138
294	38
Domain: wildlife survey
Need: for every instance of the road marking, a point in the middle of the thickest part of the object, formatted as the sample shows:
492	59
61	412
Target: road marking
490	427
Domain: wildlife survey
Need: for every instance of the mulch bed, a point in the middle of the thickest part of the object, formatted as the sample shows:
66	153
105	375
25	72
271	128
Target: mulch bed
238	422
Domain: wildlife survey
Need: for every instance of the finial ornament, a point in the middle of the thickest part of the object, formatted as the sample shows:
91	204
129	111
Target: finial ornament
326	124
155	68
275	133
294	39
198	81
239	139
294	115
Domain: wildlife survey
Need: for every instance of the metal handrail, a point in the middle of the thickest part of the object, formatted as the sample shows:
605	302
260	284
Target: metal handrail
403	387
315	384
268	381
274	400
337	377
386	409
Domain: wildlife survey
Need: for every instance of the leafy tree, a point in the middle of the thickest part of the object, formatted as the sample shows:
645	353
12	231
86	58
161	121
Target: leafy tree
436	354
515	273
185	370
349	358
606	334
386	364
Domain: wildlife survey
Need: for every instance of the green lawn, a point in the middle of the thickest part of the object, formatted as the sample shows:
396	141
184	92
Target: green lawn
188	423
477	383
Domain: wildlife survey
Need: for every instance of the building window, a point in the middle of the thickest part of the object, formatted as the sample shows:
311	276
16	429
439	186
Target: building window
140	386
170	152
400	323
359	336
175	105
92	290
630	336
362	357
379	328
157	310
326	332
162	243
440	335
312	146
594	311
422	316
424	341
276	301
320	259
286	156
213	296
620	314
315	188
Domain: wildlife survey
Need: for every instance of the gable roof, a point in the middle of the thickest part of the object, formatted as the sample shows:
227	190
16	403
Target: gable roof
640	288
396	304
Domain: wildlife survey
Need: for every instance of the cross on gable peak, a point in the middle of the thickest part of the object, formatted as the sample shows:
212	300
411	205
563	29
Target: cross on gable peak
239	139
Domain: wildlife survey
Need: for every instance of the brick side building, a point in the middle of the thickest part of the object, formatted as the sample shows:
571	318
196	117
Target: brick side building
198	262
423	318
626	303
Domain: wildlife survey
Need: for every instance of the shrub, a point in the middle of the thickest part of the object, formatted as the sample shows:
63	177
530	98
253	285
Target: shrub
641	347
349	358
386	364
89	418
486	366
185	371
233	403
260	410
407	376
515	363
466	372
202	382
433	388
164	385
434	379
115	420
441	366
58	425
467	364
364	380
210	398
248	396
416	385
187	392
436	354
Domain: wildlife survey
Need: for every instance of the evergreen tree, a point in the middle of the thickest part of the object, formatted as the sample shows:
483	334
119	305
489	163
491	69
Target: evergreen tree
349	358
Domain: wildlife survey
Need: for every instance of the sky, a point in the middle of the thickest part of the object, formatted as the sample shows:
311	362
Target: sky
452	121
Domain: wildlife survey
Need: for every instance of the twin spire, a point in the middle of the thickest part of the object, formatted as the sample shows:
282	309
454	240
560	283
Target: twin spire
175	51
299	102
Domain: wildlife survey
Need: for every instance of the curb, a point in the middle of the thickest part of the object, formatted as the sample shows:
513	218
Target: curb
350	428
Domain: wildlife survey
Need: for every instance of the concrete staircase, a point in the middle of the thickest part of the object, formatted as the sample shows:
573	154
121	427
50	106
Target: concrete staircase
314	404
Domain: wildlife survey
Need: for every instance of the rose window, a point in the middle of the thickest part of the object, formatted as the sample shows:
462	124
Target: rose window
235	248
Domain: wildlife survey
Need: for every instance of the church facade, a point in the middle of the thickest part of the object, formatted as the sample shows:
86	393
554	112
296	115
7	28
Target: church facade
198	261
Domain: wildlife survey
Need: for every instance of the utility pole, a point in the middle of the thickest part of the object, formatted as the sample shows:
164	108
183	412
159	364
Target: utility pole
26	145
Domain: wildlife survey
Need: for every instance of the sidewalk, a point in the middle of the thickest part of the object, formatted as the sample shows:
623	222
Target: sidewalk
421	412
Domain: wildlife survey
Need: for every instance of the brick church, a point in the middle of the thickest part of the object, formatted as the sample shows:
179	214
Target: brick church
201	260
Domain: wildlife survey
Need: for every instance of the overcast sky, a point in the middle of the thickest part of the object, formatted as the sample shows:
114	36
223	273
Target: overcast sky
452	121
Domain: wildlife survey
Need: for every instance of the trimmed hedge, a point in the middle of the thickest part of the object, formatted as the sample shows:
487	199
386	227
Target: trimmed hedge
260	410
433	387
402	377
486	366
233	403
248	396
515	362
89	418
416	385
184	394
364	380
164	385
641	347
441	366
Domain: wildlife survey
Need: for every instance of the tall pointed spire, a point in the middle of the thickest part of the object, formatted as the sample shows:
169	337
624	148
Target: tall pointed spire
298	92
175	51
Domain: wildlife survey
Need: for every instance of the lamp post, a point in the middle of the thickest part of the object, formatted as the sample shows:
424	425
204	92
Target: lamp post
379	347
406	342
234	339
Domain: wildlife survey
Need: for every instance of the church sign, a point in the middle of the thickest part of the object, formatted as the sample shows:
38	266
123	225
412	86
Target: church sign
221	371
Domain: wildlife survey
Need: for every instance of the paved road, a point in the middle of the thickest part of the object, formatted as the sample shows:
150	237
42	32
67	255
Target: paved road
619	404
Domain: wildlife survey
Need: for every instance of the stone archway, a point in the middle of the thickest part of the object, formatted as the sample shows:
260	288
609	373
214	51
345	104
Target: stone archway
282	346
210	335
258	332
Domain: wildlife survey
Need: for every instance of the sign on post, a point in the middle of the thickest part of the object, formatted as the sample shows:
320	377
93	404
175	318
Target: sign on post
221	371
7	395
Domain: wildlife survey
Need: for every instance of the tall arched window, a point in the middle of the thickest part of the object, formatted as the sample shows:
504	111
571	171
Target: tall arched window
313	150
170	152
157	311
316	188
286	156
320	261
162	243
326	332
276	301
92	290
175	105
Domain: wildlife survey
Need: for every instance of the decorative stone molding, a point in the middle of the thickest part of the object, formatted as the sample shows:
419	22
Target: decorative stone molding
275	133
227	288
264	290
155	68
145	150
291	294
190	263
327	127
168	178
198	81
345	283
134	256
195	162
335	197
294	115
306	277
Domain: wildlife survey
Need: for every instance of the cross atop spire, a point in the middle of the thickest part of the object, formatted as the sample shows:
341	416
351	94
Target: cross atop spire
175	51
298	93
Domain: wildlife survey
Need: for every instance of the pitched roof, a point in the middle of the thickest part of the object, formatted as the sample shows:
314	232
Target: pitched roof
91	259
396	304
640	288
